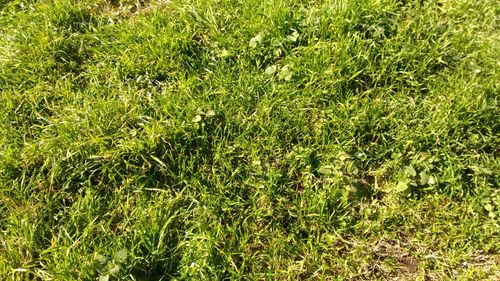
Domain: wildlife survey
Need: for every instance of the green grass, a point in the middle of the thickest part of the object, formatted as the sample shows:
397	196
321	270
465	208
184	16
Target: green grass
249	140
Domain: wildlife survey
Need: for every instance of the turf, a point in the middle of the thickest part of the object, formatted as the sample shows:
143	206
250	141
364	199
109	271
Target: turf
249	140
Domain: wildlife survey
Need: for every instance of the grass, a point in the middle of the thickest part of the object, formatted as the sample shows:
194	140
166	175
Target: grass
252	140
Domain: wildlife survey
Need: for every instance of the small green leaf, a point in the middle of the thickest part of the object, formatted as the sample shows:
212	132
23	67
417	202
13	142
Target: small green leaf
224	53
411	171
480	170
271	70
210	113
277	52
275	42
423	178
196	119
401	186
431	180
101	259
285	73
294	36
491	210
255	40
256	163
344	156
326	170
121	255
104	277
352	169
114	270
488	207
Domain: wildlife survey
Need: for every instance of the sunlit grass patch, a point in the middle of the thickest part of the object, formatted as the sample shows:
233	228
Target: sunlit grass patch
214	140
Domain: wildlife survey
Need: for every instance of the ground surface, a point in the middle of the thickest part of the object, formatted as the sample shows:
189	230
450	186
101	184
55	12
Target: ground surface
231	139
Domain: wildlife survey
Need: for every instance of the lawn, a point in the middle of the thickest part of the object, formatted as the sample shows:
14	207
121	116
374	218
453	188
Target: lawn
249	140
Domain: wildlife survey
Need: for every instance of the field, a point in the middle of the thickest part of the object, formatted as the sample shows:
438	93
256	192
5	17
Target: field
249	140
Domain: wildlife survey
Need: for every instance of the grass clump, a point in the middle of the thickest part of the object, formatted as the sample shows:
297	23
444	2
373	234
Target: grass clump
213	140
